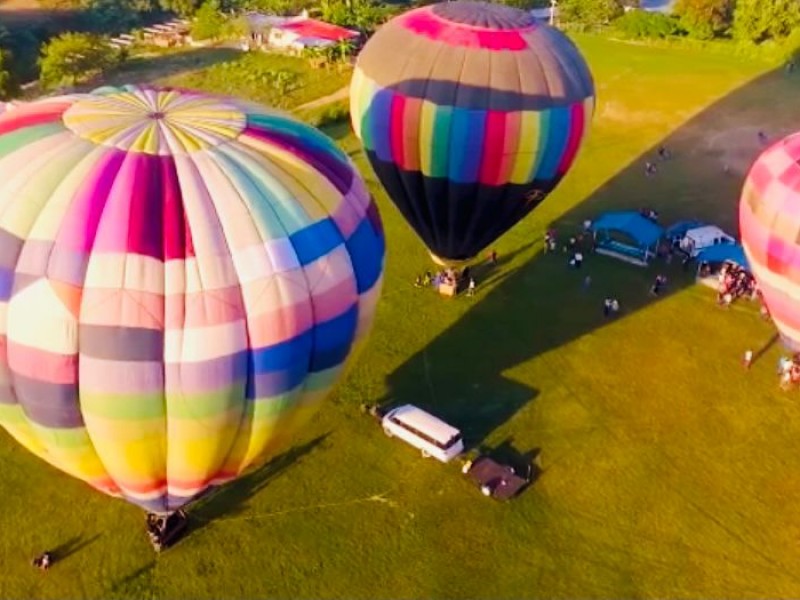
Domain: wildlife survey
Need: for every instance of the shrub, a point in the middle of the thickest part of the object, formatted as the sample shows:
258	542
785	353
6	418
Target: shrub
639	24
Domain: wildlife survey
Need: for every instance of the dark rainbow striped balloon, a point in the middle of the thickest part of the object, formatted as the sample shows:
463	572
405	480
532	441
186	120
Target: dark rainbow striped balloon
470	114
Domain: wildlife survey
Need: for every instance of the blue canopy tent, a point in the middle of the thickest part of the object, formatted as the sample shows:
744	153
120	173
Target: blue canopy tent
628	236
710	260
733	253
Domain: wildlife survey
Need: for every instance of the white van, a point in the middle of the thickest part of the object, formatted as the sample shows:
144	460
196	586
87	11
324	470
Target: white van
422	430
698	239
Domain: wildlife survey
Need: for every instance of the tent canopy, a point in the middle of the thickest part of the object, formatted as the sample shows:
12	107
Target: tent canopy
679	229
631	223
730	252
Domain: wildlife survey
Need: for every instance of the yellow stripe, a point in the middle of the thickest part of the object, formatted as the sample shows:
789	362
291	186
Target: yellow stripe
527	147
427	118
357	85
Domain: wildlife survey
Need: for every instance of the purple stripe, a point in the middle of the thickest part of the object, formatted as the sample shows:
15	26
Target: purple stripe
339	173
51	405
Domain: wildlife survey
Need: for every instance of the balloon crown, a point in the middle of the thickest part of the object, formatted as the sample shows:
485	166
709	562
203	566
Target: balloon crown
483	15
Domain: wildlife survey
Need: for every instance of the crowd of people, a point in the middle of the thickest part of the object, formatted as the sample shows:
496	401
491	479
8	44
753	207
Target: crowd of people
734	283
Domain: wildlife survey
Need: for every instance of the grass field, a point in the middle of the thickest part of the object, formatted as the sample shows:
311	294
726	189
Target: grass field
667	470
230	72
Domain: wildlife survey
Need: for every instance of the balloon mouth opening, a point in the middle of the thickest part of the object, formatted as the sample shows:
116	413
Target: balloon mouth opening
449	262
157	116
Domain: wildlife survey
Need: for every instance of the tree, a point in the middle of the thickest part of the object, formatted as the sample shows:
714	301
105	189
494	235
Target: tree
113	15
524	4
705	19
759	20
71	58
6	81
590	13
208	22
636	24
185	8
364	15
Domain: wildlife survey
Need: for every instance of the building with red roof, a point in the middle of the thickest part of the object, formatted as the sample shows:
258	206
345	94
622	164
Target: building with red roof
300	33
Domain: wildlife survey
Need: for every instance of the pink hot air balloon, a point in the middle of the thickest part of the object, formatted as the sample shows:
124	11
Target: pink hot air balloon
769	218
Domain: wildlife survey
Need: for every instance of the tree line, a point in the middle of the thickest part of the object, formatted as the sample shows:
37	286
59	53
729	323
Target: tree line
751	21
66	58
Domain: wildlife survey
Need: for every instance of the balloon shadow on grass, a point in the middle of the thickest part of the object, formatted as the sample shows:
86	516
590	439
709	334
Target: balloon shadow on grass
232	499
72	546
536	305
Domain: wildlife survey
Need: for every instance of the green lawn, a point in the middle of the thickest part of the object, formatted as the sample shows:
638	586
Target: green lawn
231	72
667	470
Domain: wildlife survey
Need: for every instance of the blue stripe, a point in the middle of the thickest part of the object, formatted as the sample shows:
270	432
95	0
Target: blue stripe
6	283
316	241
333	339
366	249
278	368
555	137
379	123
466	145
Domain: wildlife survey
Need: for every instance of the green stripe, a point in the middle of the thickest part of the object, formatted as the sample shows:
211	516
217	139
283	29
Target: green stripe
542	146
441	141
70	439
10	142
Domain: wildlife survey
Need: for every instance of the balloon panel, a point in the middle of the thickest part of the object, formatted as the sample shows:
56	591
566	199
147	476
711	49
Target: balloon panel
180	275
769	219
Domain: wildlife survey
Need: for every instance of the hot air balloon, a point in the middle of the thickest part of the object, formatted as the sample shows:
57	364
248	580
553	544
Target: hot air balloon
182	278
470	114
769	221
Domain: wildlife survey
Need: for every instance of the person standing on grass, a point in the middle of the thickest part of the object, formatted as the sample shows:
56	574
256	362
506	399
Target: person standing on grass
748	359
614	306
606	307
471	288
587	282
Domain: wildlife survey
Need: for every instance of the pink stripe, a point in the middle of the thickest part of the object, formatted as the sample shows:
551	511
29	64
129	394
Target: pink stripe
79	228
396	129
123	308
114	227
576	131
349	214
42	365
279	324
204	309
27	115
781	306
335	301
759	177
493	148
425	22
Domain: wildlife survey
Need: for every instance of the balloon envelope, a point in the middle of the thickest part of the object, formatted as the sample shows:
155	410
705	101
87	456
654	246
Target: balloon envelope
769	220
470	114
181	277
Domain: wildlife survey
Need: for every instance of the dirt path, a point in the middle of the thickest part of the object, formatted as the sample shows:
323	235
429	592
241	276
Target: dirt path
330	98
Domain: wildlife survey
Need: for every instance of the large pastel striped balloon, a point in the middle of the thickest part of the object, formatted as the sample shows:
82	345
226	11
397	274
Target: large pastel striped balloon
470	114
181	278
769	220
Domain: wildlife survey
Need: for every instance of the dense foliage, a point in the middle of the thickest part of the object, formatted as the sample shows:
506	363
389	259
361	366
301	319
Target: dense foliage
72	58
